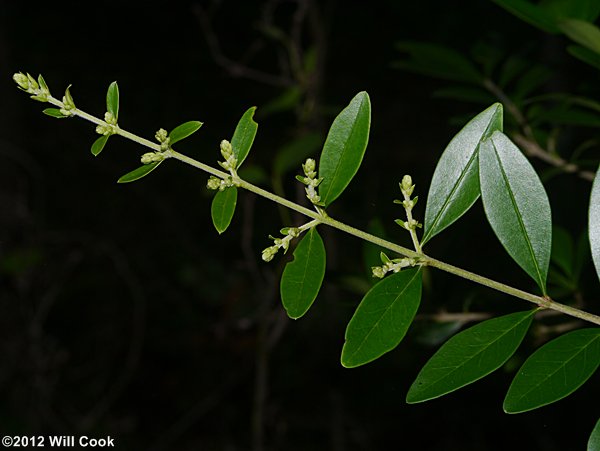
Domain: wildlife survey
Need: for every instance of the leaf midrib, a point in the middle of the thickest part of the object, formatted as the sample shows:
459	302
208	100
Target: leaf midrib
310	236
344	149
463	173
541	381
477	354
375	326
520	219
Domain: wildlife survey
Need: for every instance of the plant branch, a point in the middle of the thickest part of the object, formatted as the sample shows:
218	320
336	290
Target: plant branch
422	259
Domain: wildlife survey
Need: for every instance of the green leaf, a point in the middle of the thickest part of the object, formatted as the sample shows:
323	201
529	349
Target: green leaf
382	318
470	356
183	131
438	61
344	147
455	183
594	441
42	83
516	205
99	144
554	371
138	173
580	9
530	13
303	276
585	55
244	134
112	99
223	208
54	112
594	222
584	33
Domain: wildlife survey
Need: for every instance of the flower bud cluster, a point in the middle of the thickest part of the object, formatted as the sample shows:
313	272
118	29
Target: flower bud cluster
391	265
152	157
311	181
38	89
407	188
162	136
215	183
69	107
230	162
280	243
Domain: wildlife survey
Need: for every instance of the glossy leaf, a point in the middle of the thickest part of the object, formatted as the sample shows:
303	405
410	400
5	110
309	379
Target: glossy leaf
344	147
223	208
183	131
112	99
516	205
138	173
303	276
594	441
594	222
99	144
554	371
54	112
470	356
382	318
455	183
582	32
244	134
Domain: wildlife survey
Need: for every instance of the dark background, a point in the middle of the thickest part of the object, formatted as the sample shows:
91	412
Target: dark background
123	313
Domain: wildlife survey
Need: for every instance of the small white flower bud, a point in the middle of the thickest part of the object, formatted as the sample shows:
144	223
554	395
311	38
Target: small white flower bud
22	80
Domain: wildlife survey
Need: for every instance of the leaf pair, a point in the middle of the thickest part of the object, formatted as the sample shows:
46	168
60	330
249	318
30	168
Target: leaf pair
341	157
481	160
112	107
224	202
177	134
553	372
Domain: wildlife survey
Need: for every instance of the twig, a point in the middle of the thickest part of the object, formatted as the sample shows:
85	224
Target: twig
234	68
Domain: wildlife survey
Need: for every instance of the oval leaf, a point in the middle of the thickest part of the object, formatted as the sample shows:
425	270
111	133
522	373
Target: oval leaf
470	356
344	147
582	32
516	205
455	183
594	222
183	131
554	371
112	99
303	276
54	112
223	208
382	318
594	441
244	134
99	144
138	173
